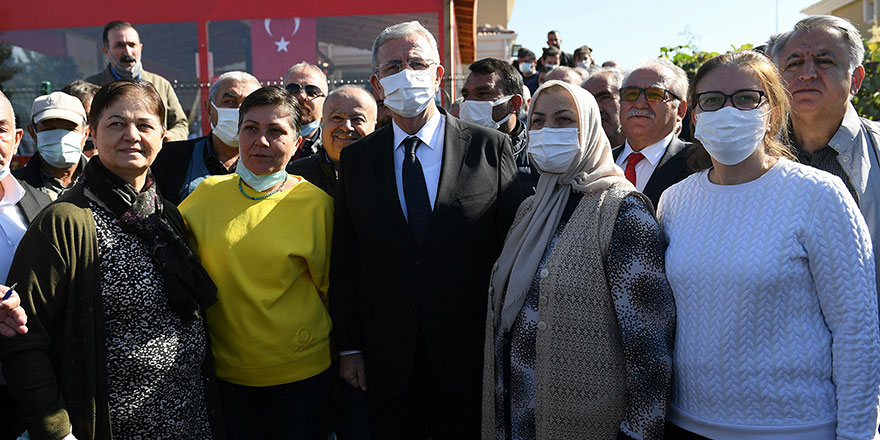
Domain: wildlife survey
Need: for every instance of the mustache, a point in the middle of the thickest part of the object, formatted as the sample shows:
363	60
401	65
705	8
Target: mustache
127	59
641	112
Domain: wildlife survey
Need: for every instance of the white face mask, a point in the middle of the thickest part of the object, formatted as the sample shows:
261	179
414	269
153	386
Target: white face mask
409	92
308	129
60	148
552	150
227	125
551	66
527	68
584	64
480	112
731	135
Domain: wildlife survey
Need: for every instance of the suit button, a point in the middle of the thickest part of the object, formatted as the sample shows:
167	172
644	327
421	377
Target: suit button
418	262
845	158
495	267
491	290
544	300
542	326
544	273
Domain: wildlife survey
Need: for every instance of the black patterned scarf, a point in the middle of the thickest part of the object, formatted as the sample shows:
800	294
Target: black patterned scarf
187	285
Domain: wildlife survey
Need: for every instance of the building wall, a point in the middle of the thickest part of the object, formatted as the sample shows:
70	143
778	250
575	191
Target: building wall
854	12
494	12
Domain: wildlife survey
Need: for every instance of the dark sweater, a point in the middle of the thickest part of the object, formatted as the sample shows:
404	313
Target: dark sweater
57	370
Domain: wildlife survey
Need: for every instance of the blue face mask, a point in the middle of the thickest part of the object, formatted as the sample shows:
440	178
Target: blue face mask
309	128
259	183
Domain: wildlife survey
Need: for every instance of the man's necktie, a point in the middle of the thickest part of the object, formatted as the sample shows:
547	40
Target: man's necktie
415	191
631	161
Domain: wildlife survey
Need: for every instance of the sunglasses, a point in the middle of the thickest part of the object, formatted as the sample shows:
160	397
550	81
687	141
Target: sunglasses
652	94
741	99
311	91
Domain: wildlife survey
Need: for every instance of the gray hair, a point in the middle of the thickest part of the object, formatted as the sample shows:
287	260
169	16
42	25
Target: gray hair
673	76
616	75
402	30
306	66
851	36
235	75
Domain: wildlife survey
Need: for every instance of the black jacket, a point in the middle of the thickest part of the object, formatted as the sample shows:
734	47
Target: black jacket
317	169
172	164
392	298
671	169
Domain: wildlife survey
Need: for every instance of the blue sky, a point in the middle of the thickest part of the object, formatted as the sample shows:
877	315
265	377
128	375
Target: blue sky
632	30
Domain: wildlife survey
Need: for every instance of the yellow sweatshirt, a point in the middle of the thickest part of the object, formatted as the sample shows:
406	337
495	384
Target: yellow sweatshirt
270	260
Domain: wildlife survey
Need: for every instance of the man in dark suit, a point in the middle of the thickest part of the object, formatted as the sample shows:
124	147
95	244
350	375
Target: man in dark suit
652	105
422	209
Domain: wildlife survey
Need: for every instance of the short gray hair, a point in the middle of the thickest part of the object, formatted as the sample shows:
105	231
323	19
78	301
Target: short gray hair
851	36
235	75
402	30
673	76
306	66
616	75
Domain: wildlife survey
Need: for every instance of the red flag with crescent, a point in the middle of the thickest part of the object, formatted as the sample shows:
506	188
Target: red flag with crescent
278	43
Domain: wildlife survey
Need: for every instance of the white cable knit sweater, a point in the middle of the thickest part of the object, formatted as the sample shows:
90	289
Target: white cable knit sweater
777	334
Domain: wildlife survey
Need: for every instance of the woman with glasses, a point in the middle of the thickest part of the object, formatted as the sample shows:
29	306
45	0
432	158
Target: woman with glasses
264	237
580	317
773	275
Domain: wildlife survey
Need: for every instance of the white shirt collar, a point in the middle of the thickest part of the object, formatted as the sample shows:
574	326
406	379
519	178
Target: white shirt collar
426	134
653	152
13	191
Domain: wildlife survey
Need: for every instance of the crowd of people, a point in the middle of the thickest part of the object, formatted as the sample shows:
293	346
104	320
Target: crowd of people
568	251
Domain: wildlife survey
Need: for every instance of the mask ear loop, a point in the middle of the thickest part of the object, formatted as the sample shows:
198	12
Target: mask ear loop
498	102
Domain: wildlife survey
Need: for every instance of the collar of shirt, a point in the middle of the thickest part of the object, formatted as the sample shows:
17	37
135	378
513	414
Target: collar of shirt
52	182
427	134
212	162
844	140
652	152
13	191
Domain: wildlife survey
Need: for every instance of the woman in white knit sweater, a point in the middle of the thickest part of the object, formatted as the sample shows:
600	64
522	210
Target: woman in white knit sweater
772	270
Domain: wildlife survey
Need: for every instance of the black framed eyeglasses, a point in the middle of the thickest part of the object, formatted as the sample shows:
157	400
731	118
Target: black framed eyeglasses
741	99
311	91
653	94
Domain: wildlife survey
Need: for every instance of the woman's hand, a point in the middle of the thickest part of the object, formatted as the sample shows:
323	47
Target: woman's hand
13	319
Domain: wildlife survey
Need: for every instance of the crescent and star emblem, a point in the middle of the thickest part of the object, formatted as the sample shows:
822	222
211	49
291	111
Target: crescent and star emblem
282	43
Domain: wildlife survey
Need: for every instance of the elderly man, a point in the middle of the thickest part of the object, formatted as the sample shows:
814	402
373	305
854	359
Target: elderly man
604	85
652	105
493	98
422	208
349	114
181	166
821	63
123	48
18	208
58	127
308	84
565	74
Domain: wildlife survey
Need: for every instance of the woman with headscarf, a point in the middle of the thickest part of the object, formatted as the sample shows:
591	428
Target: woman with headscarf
581	318
116	345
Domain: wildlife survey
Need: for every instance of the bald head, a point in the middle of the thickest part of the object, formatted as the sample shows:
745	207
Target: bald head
565	74
10	137
349	114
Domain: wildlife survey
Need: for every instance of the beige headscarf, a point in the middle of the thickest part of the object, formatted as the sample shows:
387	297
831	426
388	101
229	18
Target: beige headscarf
593	169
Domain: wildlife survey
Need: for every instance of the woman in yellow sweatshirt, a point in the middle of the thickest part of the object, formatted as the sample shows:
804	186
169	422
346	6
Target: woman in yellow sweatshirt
264	237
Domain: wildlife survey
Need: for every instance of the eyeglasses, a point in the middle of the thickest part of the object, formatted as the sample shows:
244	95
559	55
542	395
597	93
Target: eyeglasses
311	91
653	94
392	67
741	99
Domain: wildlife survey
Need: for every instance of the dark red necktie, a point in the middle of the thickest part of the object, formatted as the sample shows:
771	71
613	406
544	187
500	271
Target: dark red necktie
631	161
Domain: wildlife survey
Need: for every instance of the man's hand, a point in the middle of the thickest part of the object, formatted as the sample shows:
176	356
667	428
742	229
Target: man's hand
351	368
13	319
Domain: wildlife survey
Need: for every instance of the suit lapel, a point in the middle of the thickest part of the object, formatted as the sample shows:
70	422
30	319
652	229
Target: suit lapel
382	156
456	142
663	174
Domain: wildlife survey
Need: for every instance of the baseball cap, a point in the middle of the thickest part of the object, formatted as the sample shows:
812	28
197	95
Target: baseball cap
58	105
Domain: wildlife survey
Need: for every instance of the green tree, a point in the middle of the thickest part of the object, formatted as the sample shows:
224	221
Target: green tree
689	58
6	72
867	101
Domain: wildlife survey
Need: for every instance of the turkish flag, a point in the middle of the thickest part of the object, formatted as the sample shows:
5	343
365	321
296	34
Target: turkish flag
278	43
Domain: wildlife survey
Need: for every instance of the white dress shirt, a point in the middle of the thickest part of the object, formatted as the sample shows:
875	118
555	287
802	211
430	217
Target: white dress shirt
645	168
430	155
12	223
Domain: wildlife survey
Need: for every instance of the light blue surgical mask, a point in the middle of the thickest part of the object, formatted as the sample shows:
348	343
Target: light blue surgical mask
60	148
310	128
259	183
